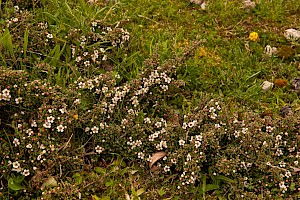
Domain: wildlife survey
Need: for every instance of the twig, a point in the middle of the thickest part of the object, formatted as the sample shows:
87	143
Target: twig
65	146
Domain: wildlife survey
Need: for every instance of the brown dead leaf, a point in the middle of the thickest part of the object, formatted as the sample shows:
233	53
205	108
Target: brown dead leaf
281	82
156	156
295	169
154	168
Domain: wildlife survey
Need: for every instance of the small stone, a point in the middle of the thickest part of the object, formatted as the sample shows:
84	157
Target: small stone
285	111
266	85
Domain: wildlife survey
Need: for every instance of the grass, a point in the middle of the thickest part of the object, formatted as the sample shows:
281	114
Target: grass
214	59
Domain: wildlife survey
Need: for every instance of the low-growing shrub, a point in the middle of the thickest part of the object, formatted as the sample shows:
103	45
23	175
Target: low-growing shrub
74	128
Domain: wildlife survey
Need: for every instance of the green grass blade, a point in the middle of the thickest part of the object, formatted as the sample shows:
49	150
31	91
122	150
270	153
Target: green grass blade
25	42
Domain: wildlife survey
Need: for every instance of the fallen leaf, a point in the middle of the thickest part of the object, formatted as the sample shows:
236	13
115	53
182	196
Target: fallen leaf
248	4
285	111
269	51
292	34
281	82
50	182
154	168
295	169
156	156
285	52
203	6
296	83
198	2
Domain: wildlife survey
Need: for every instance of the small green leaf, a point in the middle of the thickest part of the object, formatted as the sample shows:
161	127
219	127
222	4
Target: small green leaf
105	198
76	175
161	192
78	178
224	178
114	169
25	42
50	182
210	187
292	186
109	183
14	186
100	170
94	197
140	191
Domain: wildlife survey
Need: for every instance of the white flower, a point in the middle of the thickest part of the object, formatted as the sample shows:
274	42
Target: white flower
60	128
188	157
26	172
52	147
94	24
99	149
78	59
141	155
166	168
95	129
173	161
197	144
18	100
135	101
63	110
147	120
278	137
16	165
288	174
28	146
87	129
164	87
212	109
16	142
50	119
236	134
184	125
181	142
33	123
16	8
191	124
50	36
102	126
158	124
47	124
87	63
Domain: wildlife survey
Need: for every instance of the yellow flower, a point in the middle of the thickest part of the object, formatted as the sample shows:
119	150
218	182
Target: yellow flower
253	36
75	117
